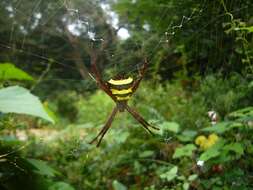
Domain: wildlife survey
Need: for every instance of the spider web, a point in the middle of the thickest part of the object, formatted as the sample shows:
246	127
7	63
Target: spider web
34	20
28	39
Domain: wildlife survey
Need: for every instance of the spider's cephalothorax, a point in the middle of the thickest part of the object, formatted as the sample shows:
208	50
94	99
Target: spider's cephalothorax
120	89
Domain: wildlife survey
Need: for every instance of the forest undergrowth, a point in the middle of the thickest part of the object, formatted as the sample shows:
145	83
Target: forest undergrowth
188	152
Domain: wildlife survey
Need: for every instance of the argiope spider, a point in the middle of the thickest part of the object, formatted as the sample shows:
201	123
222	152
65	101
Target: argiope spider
120	89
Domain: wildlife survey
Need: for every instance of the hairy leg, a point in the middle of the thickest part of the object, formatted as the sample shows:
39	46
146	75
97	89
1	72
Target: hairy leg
140	119
141	75
101	84
106	127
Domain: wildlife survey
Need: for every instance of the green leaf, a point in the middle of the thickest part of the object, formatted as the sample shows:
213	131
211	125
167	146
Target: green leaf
234	147
218	128
170	126
42	168
250	84
9	72
61	186
249	28
212	152
171	174
241	113
19	100
118	186
192	177
186	186
187	135
121	137
146	154
184	151
50	112
9	140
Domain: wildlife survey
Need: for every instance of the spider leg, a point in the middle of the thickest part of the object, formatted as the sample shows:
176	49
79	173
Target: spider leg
140	119
101	84
106	127
141	75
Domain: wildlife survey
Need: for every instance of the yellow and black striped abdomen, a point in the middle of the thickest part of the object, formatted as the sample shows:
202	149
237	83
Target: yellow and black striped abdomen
121	89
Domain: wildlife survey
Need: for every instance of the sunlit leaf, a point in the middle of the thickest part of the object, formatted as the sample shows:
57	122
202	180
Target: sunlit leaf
171	174
8	71
249	28
212	152
170	126
61	186
192	177
146	153
19	100
118	186
250	84
186	186
184	151
50	112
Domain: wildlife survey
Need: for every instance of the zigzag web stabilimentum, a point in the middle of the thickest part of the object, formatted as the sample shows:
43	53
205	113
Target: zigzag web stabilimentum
77	23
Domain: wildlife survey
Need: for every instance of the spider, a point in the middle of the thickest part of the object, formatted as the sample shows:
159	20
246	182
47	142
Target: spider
120	89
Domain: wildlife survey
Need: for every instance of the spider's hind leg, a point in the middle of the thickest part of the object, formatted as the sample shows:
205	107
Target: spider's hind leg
105	128
141	120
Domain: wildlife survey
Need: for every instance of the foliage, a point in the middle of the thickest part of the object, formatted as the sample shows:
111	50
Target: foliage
15	97
9	72
17	170
191	41
168	160
199	56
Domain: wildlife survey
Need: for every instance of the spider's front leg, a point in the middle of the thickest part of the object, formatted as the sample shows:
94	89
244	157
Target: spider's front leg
142	72
106	127
101	84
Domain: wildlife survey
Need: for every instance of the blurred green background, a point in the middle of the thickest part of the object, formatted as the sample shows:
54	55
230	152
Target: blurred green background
199	57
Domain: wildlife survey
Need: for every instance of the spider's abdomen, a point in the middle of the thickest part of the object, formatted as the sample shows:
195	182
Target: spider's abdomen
122	88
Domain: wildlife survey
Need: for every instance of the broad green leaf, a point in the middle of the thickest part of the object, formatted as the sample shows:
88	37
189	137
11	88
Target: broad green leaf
250	84
171	174
181	178
170	126
9	140
192	177
118	186
19	100
218	128
212	152
249	28
50	112
42	168
186	186
234	147
184	151
61	186
9	72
